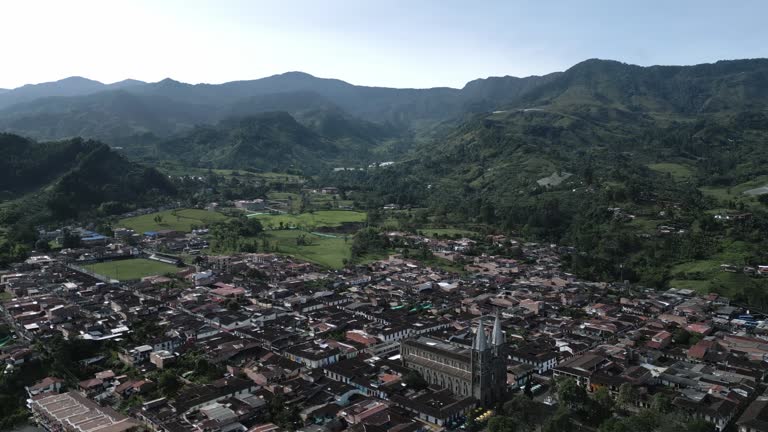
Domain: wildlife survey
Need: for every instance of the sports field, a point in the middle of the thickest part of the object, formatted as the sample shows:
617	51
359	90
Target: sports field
178	220
131	268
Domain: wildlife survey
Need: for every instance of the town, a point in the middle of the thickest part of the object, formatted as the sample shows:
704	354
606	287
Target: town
263	342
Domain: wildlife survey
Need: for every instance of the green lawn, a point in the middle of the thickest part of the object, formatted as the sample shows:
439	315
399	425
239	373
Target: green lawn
645	224
131	268
177	220
5	295
310	221
326	251
677	171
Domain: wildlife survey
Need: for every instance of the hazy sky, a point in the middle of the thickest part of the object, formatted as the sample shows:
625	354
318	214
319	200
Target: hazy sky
397	43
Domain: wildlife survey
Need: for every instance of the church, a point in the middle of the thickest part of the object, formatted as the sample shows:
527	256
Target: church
479	371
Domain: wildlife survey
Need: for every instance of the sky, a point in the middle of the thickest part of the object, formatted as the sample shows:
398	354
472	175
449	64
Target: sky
392	43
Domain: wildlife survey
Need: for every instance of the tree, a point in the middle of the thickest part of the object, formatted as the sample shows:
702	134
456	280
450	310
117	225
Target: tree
628	396
168	383
661	403
42	245
560	422
602	406
502	424
523	410
570	394
70	240
413	379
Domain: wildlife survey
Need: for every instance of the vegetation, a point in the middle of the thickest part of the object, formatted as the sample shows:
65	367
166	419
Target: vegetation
71	179
311	220
579	410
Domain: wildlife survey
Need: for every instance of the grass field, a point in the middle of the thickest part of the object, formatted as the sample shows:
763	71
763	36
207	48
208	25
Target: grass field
309	221
326	251
677	171
645	224
131	268
177	220
4	295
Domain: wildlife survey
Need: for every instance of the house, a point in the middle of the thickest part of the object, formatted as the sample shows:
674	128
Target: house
161	358
91	387
135	356
435	405
44	386
580	368
660	340
755	417
540	357
71	412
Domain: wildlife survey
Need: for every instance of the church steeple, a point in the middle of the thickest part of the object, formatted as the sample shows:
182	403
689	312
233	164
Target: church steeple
497	336
480	343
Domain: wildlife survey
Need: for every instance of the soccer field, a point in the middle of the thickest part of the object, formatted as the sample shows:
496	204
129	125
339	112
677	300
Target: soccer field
131	268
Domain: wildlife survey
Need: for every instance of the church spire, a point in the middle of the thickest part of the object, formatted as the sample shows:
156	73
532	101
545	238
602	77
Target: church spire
497	336
480	343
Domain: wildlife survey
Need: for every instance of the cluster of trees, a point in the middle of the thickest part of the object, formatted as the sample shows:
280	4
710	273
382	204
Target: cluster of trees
367	241
237	235
579	410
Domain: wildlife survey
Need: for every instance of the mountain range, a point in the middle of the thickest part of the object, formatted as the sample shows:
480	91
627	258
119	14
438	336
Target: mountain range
78	106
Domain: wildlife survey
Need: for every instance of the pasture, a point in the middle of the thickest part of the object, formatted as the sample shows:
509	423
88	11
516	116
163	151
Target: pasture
310	221
178	220
323	250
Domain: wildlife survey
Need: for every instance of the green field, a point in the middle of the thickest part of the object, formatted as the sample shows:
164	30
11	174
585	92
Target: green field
326	251
645	224
131	268
177	220
677	171
736	193
310	221
5	295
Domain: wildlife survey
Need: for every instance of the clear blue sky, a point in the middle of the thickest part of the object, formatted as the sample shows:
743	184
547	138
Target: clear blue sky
396	43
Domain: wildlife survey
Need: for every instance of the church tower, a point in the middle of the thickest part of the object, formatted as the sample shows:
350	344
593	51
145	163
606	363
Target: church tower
499	360
489	364
481	372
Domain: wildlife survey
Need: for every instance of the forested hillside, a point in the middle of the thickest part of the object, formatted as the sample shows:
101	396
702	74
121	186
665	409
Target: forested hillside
59	181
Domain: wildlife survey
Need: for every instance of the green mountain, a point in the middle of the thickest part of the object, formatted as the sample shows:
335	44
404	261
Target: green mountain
68	179
120	117
681	90
629	165
265	141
